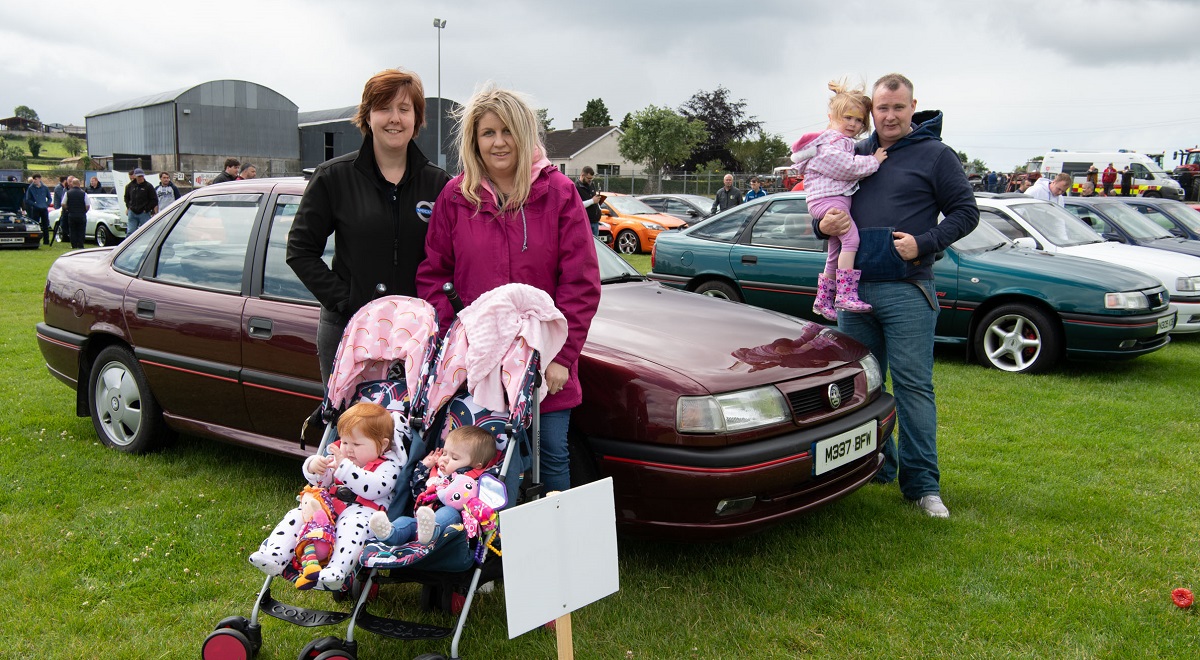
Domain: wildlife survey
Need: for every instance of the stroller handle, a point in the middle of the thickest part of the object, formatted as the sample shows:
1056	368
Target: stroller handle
456	303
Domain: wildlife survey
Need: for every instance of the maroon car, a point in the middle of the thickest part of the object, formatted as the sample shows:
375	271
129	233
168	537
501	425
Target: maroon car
713	418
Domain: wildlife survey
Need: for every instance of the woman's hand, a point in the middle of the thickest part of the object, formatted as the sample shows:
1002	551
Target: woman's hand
556	377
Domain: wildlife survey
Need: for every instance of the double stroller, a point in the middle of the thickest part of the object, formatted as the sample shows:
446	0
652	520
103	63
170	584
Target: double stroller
390	355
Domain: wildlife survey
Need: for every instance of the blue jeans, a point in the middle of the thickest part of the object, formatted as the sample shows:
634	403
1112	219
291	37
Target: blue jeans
900	333
135	221
404	528
556	461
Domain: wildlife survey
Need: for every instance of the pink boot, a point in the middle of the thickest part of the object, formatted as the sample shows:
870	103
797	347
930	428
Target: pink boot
847	291
823	305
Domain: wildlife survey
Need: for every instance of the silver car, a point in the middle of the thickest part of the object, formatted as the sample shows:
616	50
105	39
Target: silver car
105	221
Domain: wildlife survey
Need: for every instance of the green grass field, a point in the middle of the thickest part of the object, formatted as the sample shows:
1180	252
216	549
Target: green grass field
1073	497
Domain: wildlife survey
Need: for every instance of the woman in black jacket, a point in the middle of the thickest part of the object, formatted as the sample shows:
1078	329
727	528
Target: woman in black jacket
375	202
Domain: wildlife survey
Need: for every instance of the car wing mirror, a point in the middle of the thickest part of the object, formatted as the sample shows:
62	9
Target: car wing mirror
1176	231
605	212
1025	242
693	212
1109	236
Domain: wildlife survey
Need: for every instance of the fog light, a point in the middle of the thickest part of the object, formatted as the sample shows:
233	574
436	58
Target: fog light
735	506
1128	343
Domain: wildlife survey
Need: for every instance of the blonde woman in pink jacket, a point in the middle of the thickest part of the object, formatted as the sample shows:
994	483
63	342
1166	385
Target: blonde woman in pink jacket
511	216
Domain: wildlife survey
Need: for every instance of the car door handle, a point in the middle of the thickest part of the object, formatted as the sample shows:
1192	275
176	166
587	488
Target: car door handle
749	259
260	328
145	309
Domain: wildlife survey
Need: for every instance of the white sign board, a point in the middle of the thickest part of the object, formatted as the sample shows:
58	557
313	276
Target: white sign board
560	553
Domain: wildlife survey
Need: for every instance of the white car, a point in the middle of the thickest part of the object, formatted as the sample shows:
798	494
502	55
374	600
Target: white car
105	221
1051	228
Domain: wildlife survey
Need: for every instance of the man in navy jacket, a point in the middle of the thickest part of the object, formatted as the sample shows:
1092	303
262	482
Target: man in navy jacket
896	210
37	204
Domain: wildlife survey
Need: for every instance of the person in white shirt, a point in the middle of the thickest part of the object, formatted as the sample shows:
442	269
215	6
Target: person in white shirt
1051	191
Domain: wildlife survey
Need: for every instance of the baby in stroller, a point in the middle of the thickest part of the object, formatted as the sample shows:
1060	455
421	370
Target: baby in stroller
355	479
441	484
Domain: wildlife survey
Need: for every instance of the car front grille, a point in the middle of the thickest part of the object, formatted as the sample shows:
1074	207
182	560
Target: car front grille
814	399
1157	299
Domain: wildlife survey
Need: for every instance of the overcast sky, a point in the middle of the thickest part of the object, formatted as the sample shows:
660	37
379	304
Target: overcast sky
1014	78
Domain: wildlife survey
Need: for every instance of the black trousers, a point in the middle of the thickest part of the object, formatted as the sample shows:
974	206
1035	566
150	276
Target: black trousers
42	217
76	229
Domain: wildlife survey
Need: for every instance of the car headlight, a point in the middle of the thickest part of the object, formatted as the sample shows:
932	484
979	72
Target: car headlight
735	411
1188	283
32	227
1126	300
874	374
653	226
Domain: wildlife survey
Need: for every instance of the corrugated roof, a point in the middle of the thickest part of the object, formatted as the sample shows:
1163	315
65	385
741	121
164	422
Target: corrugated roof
141	102
565	144
326	116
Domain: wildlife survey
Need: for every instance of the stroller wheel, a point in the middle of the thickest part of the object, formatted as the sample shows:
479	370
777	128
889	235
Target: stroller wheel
327	648
226	644
430	656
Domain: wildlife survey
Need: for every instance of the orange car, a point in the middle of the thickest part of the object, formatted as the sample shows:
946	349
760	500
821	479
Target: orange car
634	225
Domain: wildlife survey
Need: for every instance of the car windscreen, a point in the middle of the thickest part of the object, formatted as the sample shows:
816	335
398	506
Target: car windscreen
984	237
1139	226
1185	214
702	203
1056	224
11	196
629	206
612	267
105	203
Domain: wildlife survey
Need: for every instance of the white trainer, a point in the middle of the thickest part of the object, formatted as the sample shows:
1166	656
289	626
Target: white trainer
426	522
933	505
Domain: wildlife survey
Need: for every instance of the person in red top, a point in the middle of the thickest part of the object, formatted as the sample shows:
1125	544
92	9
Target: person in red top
511	216
1109	179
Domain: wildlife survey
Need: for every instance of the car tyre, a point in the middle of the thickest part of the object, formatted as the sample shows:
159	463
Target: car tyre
628	243
103	236
1019	339
719	289
124	412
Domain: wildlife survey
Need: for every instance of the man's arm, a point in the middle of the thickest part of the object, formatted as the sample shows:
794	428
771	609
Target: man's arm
955	200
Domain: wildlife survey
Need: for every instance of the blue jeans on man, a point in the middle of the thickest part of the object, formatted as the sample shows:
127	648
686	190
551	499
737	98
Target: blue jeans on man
899	332
136	220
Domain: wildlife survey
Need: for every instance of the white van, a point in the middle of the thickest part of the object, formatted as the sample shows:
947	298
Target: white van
1149	179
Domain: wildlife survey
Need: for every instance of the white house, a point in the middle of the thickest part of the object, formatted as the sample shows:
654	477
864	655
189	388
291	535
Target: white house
571	149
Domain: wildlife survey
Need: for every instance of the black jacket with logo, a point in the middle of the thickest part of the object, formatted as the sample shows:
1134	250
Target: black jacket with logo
379	229
141	197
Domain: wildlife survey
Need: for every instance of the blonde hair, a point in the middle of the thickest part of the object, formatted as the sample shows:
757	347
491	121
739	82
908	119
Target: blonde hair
846	100
521	121
372	420
480	445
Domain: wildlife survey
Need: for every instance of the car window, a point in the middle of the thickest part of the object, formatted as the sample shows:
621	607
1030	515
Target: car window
656	204
1134	223
1010	229
983	237
134	249
1056	225
1093	219
728	226
628	205
279	280
207	247
1140	171
1185	214
1155	216
788	224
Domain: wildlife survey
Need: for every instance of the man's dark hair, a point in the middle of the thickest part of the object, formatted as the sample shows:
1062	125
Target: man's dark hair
892	82
246	167
587	169
37	176
754	179
232	162
63	179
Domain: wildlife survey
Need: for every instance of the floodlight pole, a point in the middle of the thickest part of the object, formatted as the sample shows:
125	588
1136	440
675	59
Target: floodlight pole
440	25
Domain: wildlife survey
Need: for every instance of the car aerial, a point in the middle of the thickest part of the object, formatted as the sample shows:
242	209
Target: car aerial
196	323
1051	228
1117	221
106	220
634	225
16	231
1014	309
1176	217
689	208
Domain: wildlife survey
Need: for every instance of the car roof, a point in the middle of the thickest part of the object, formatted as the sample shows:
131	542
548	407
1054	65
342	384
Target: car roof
284	185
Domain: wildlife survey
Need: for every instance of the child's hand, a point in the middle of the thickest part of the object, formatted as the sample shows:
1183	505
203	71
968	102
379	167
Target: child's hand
335	455
881	154
431	458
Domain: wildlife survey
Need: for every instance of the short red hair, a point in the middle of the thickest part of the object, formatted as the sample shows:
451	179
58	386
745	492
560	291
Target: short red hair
382	88
371	420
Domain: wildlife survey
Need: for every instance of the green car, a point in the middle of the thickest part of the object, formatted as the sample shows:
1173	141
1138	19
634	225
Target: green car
1012	308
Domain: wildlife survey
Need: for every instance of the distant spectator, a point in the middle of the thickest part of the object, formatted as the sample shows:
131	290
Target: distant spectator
248	172
75	208
1051	191
165	190
230	173
129	211
591	199
727	197
1126	182
756	190
991	181
1109	178
1089	189
94	187
37	205
142	200
1001	182
60	190
1093	175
